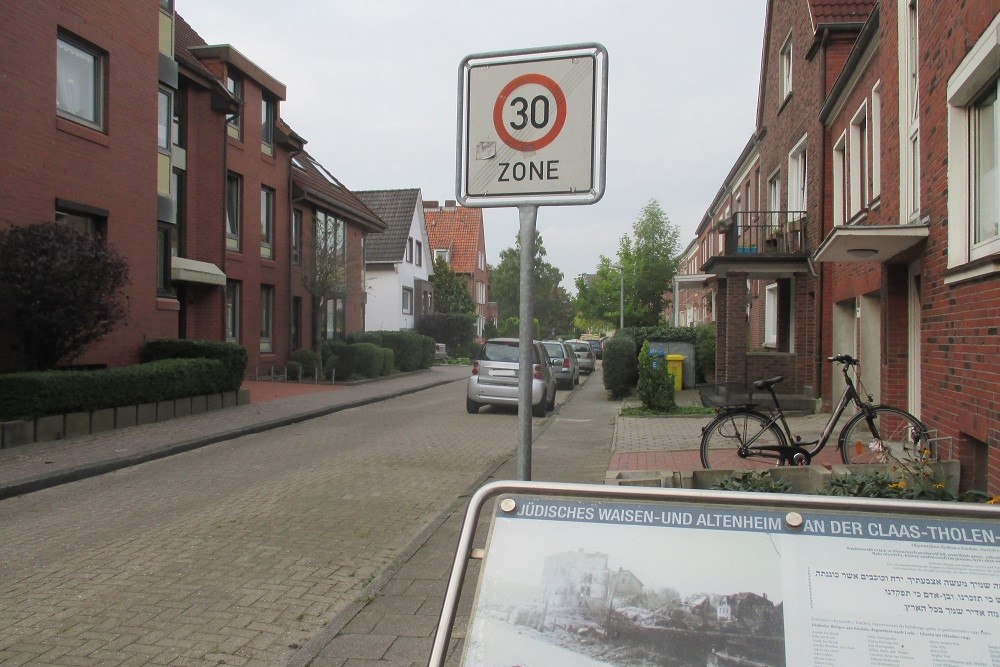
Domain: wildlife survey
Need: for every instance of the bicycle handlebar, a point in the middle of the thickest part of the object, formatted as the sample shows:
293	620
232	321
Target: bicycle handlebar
845	359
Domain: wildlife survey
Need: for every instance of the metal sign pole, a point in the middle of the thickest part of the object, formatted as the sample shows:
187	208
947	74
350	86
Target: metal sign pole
528	215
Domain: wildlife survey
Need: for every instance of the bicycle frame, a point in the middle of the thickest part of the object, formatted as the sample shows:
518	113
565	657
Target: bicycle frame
794	450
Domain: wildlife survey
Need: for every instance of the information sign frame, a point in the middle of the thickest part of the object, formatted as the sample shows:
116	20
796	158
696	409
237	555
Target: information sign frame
561	159
764	578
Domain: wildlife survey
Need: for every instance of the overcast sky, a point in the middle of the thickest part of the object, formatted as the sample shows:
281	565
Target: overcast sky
372	86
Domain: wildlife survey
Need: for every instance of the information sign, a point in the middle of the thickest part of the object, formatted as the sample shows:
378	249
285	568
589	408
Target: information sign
694	580
532	127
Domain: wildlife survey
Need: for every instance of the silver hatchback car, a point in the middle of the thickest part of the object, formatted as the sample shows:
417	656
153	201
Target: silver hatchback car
584	355
563	362
494	377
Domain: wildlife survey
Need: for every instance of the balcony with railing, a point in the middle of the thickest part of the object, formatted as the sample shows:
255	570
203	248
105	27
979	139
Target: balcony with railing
761	242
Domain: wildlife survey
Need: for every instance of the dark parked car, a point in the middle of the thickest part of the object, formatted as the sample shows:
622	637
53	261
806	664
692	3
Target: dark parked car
595	345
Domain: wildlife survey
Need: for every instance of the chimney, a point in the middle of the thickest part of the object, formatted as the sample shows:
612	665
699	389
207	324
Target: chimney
430	203
450	203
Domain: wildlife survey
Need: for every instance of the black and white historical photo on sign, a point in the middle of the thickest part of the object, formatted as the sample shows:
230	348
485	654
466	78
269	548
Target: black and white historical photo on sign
618	593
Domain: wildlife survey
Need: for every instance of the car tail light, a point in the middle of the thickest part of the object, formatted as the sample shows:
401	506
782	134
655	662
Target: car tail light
565	364
538	372
475	368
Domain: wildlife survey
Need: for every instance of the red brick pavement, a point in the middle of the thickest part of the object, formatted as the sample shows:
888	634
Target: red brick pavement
261	391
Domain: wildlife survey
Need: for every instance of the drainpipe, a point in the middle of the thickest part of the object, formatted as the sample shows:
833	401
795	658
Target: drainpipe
291	216
819	302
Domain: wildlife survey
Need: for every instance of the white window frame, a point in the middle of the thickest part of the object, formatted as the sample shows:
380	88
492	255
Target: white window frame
419	254
164	120
233	293
267	197
774	198
965	88
81	102
442	253
234	124
268	112
909	112
771	315
407	301
266	318
875	132
786	70
798	179
234	211
858	170
839	177
409	250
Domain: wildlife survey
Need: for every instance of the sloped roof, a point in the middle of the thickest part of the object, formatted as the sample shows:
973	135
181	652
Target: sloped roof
396	208
315	184
840	12
185	38
457	228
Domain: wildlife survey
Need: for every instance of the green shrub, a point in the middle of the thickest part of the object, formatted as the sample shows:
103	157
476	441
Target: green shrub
294	370
455	331
373	337
338	357
666	334
412	350
28	395
620	365
232	356
704	350
307	360
368	359
656	384
754	481
388	361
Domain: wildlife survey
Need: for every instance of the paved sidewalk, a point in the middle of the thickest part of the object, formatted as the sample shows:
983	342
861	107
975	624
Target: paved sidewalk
45	464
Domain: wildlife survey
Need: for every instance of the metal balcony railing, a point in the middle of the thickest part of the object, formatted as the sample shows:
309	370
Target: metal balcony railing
749	233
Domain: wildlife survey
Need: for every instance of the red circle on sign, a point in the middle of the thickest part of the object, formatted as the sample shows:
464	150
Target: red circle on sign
546	138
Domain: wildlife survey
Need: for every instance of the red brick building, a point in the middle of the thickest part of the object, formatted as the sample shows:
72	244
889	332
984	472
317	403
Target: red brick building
125	124
456	233
894	106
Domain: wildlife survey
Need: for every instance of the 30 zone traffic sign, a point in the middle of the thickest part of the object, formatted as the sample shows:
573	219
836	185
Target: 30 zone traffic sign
532	126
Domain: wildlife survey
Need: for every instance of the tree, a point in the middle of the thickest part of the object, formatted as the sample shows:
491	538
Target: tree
553	307
451	293
648	266
649	261
326	245
60	291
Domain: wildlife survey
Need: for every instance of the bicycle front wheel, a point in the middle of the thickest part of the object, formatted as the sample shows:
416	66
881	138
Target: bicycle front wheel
897	436
726	443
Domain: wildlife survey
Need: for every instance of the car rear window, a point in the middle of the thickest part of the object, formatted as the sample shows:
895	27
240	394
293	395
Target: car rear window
499	352
580	347
554	349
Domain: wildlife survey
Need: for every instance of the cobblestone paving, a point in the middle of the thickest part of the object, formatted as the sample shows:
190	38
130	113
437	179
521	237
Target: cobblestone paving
239	552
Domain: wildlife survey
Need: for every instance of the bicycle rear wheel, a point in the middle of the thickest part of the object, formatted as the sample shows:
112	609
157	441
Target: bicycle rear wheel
722	439
898	436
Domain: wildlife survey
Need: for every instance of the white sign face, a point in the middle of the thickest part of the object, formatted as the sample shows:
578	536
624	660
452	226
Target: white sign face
532	127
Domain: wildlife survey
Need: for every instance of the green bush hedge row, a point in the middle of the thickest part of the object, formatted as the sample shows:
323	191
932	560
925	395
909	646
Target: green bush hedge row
30	395
412	351
232	356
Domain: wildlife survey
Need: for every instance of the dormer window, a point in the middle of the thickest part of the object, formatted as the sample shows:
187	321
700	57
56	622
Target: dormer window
267	115
235	87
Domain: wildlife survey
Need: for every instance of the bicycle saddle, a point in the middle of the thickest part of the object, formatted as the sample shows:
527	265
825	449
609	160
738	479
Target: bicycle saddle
762	385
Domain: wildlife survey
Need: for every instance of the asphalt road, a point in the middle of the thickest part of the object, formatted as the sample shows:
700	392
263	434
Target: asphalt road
239	552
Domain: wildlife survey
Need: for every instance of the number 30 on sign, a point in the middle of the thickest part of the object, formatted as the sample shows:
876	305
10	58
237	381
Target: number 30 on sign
532	127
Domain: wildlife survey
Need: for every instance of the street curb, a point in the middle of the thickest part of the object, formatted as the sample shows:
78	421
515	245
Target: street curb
46	481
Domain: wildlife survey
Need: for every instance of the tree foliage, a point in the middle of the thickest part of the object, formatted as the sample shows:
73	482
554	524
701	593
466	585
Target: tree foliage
648	261
325	246
451	293
553	306
60	291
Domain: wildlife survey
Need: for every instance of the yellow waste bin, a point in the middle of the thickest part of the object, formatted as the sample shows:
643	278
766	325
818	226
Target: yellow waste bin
675	366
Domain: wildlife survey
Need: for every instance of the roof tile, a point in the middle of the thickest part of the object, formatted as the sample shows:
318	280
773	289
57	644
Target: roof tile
457	228
826	12
396	208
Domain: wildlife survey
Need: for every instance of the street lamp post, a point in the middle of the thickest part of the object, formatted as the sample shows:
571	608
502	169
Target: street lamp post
621	296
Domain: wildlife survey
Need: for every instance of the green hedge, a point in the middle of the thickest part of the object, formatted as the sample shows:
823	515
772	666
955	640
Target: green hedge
232	356
29	395
619	364
455	331
656	384
388	361
668	334
369	359
412	350
306	359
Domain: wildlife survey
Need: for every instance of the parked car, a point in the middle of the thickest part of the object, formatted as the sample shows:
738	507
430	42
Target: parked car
595	345
585	356
495	372
564	364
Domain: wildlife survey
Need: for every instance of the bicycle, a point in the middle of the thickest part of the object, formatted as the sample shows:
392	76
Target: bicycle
742	437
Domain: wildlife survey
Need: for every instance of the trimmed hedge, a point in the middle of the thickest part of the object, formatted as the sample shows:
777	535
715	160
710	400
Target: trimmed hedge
620	365
232	356
455	331
30	395
668	334
388	361
369	359
306	359
656	384
412	350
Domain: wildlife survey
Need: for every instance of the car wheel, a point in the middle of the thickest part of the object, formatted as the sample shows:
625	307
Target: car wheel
552	402
471	406
539	410
576	380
